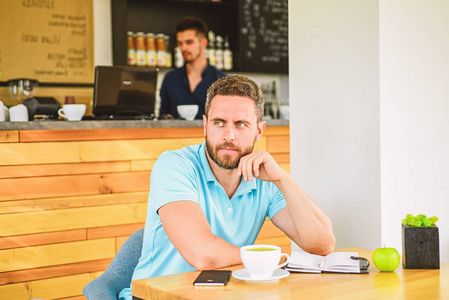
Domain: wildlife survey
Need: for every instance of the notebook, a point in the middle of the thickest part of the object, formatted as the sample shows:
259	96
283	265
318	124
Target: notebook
336	262
124	92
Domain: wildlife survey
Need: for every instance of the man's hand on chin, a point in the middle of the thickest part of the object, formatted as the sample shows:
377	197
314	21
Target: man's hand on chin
260	164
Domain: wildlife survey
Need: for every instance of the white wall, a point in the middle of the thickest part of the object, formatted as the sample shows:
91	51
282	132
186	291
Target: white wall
334	102
414	101
369	89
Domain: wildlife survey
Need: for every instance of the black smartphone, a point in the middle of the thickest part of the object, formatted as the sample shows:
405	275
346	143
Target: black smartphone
213	278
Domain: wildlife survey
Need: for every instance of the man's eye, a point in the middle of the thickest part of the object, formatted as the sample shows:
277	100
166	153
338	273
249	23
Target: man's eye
218	123
240	124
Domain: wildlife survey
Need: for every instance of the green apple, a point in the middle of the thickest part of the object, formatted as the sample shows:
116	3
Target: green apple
386	259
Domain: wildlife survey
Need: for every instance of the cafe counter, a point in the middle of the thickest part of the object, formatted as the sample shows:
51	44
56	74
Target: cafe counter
72	192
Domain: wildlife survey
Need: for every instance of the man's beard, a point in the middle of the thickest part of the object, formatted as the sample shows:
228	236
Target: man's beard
227	162
186	60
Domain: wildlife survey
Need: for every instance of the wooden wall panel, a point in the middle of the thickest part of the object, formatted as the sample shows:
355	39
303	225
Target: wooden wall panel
109	134
59	186
92	151
27	240
63	169
278	144
7	207
60	287
56	254
17	291
277	130
54	271
10	136
142	165
69	199
110	231
73	218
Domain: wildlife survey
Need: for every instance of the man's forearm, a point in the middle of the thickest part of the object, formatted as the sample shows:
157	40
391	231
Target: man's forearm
312	225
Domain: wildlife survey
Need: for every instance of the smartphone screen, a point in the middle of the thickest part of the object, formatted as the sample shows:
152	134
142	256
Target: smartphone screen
213	278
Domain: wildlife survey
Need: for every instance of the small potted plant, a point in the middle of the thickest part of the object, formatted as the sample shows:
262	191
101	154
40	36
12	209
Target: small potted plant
420	243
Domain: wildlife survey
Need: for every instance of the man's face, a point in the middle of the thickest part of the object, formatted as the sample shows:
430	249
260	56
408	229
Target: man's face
231	129
190	44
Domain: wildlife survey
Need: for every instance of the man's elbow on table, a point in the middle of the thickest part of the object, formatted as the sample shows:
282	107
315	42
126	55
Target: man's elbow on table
203	261
322	246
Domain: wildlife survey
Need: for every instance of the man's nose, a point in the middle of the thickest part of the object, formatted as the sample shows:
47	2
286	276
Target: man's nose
229	133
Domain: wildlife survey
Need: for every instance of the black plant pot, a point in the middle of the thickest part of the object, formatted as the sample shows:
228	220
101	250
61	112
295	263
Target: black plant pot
420	247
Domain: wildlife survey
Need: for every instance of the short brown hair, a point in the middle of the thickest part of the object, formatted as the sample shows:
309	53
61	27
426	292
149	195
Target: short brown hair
192	23
236	85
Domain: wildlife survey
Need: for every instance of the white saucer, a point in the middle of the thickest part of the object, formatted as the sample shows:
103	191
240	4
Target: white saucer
243	274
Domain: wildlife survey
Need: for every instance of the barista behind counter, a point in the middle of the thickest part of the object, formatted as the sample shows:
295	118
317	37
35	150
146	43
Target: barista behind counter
189	84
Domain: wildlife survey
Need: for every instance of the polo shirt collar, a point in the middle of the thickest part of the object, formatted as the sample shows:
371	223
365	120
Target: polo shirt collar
244	186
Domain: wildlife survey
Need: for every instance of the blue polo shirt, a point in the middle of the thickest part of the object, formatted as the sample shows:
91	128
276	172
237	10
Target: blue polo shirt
175	90
185	175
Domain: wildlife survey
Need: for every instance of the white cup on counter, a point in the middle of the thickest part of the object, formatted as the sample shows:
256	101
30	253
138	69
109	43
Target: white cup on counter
2	112
187	111
72	112
18	113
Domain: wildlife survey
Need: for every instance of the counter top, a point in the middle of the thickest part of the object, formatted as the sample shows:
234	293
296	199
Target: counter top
64	125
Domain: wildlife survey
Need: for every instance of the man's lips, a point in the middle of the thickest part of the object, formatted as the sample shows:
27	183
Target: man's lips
228	149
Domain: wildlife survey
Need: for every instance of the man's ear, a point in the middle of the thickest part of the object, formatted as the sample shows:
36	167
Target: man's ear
260	129
204	124
204	43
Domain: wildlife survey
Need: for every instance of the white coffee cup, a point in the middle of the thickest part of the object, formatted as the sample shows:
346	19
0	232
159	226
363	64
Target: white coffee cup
72	112
188	112
262	260
18	113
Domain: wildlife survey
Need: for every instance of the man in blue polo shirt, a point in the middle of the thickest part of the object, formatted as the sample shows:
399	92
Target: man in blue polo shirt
208	200
189	84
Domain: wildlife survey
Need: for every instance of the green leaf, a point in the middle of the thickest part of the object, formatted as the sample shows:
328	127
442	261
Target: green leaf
426	223
422	218
416	223
433	220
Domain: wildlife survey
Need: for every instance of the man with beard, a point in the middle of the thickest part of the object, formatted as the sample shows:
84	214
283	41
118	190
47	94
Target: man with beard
208	200
189	84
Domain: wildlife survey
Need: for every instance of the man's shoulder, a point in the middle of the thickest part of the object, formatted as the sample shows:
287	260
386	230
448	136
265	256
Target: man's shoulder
189	154
214	72
175	74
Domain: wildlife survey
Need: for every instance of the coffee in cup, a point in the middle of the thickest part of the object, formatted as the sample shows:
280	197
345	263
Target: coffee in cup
72	112
262	260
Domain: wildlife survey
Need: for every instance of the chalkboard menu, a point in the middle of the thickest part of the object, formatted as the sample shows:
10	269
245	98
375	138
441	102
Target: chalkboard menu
51	40
263	35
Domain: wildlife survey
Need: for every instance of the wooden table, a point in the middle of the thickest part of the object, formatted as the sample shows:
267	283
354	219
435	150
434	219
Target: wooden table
401	284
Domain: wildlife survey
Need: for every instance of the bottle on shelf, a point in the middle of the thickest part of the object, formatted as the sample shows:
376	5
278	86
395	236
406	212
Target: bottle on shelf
168	56
161	50
211	49
141	59
151	50
131	50
179	60
219	52
227	56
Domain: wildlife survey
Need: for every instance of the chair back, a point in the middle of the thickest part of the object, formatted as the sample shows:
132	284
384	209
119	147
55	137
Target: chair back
119	273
